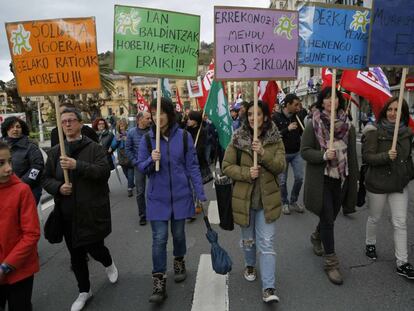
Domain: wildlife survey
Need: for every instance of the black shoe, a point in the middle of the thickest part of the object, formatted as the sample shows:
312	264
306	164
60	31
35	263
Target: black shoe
406	270
142	221
159	288
129	193
180	273
370	252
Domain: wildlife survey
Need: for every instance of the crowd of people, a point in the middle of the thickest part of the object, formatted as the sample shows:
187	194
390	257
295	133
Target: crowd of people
289	135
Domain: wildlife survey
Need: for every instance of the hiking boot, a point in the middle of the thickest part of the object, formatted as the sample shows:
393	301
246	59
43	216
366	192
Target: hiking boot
285	209
250	273
80	302
370	251
112	273
332	269
269	295
159	288
298	208
179	270
317	243
129	192
406	270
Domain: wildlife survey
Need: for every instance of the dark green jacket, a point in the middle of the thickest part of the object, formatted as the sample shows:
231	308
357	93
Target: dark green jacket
272	164
385	175
315	167
91	215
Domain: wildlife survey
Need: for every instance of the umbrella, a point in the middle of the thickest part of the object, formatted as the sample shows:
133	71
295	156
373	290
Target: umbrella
220	260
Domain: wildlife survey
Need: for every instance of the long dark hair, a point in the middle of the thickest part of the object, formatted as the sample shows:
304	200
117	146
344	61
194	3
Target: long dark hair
405	114
326	93
267	123
9	122
167	107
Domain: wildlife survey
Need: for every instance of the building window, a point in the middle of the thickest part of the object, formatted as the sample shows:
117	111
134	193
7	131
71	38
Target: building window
121	110
109	111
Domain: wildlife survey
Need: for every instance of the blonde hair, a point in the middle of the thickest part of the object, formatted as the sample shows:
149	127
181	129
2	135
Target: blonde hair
118	124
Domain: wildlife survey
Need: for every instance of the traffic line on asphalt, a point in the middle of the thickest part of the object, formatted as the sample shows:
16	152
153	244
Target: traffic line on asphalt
211	289
213	214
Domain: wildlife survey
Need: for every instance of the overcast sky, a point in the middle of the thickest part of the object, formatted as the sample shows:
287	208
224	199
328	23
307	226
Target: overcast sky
23	10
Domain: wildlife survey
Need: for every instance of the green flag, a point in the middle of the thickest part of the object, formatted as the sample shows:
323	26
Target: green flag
217	109
165	88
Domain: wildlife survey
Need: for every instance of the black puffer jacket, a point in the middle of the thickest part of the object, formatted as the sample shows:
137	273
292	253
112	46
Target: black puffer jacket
27	160
91	215
105	140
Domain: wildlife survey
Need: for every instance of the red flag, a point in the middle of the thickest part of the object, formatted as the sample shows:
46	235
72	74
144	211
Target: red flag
326	78
372	85
142	104
178	104
207	80
267	92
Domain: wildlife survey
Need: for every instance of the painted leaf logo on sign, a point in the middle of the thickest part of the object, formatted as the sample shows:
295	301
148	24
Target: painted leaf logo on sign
20	40
57	56
361	20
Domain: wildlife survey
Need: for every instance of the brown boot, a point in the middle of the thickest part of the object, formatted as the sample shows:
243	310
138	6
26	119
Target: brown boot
317	243
332	269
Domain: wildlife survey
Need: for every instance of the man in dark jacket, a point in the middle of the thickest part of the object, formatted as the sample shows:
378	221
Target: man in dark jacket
290	126
134	137
83	203
85	131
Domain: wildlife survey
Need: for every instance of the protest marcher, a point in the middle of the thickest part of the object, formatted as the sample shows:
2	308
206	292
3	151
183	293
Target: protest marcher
134	137
118	144
234	113
86	130
105	138
169	195
291	132
27	158
19	234
83	202
256	198
331	176
386	180
211	139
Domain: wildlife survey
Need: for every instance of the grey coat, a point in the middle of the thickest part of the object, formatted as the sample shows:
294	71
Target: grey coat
315	166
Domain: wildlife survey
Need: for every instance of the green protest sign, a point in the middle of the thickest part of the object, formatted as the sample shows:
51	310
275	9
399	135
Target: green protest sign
152	42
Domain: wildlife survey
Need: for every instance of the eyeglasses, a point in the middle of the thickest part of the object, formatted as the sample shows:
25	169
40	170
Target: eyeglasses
68	121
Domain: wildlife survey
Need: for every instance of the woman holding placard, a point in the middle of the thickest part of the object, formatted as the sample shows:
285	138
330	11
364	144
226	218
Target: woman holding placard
331	175
256	200
389	172
169	194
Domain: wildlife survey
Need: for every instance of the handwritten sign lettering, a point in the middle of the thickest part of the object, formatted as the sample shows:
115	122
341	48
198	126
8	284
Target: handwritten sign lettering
155	42
255	44
54	56
392	33
333	36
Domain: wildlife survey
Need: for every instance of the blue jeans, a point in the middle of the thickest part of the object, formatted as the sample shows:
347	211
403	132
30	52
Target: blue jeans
159	242
260	235
297	165
129	174
140	181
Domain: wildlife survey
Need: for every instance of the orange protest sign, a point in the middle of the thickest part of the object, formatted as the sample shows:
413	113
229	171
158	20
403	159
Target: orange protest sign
56	56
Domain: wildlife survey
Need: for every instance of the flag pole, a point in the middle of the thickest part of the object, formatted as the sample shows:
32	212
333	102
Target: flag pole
158	130
300	123
400	101
333	109
61	139
255	130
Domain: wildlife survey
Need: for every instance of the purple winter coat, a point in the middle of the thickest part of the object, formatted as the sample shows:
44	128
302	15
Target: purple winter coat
169	192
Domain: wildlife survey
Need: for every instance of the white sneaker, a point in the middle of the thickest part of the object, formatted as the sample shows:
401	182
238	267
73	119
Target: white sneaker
81	301
112	273
298	207
269	295
285	209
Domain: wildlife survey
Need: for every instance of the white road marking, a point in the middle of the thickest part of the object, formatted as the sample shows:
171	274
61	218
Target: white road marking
213	214
211	289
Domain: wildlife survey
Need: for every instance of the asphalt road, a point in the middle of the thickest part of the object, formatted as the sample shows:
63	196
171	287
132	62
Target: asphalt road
301	282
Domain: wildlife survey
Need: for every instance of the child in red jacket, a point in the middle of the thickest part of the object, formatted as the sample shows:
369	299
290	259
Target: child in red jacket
19	234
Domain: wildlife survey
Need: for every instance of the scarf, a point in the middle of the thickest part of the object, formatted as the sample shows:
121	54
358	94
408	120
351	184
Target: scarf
389	127
337	168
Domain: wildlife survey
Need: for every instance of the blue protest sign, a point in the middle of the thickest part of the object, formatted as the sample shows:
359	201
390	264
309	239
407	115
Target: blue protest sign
333	36
392	33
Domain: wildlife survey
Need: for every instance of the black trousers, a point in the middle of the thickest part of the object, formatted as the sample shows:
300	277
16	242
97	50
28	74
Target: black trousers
18	296
331	207
78	257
